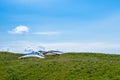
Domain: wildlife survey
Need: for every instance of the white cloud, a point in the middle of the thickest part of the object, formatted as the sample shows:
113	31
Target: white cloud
49	33
19	30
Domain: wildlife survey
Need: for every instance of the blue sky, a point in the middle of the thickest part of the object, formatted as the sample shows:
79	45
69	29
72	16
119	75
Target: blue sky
67	25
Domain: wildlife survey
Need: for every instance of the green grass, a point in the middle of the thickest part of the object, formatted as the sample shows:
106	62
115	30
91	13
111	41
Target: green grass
73	66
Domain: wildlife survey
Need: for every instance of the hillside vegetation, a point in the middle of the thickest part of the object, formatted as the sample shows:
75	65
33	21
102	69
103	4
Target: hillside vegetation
73	66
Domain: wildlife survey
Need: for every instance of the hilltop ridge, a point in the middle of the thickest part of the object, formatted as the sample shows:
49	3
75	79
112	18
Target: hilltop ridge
79	66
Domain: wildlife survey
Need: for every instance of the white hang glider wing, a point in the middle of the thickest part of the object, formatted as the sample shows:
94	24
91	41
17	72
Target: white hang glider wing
33	54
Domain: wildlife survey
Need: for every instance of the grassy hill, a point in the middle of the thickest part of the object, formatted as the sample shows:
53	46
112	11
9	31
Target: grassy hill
82	66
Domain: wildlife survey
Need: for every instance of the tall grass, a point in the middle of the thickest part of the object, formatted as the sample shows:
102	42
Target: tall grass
79	66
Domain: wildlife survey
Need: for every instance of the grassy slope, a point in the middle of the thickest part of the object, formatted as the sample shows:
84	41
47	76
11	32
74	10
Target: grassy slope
83	66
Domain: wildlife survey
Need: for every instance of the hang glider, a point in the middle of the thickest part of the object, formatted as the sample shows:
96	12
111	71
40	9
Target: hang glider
53	52
32	54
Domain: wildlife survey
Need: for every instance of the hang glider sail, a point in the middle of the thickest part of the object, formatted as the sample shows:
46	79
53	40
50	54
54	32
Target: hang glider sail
32	54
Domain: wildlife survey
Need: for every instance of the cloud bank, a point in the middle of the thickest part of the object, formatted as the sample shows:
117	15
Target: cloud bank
100	47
